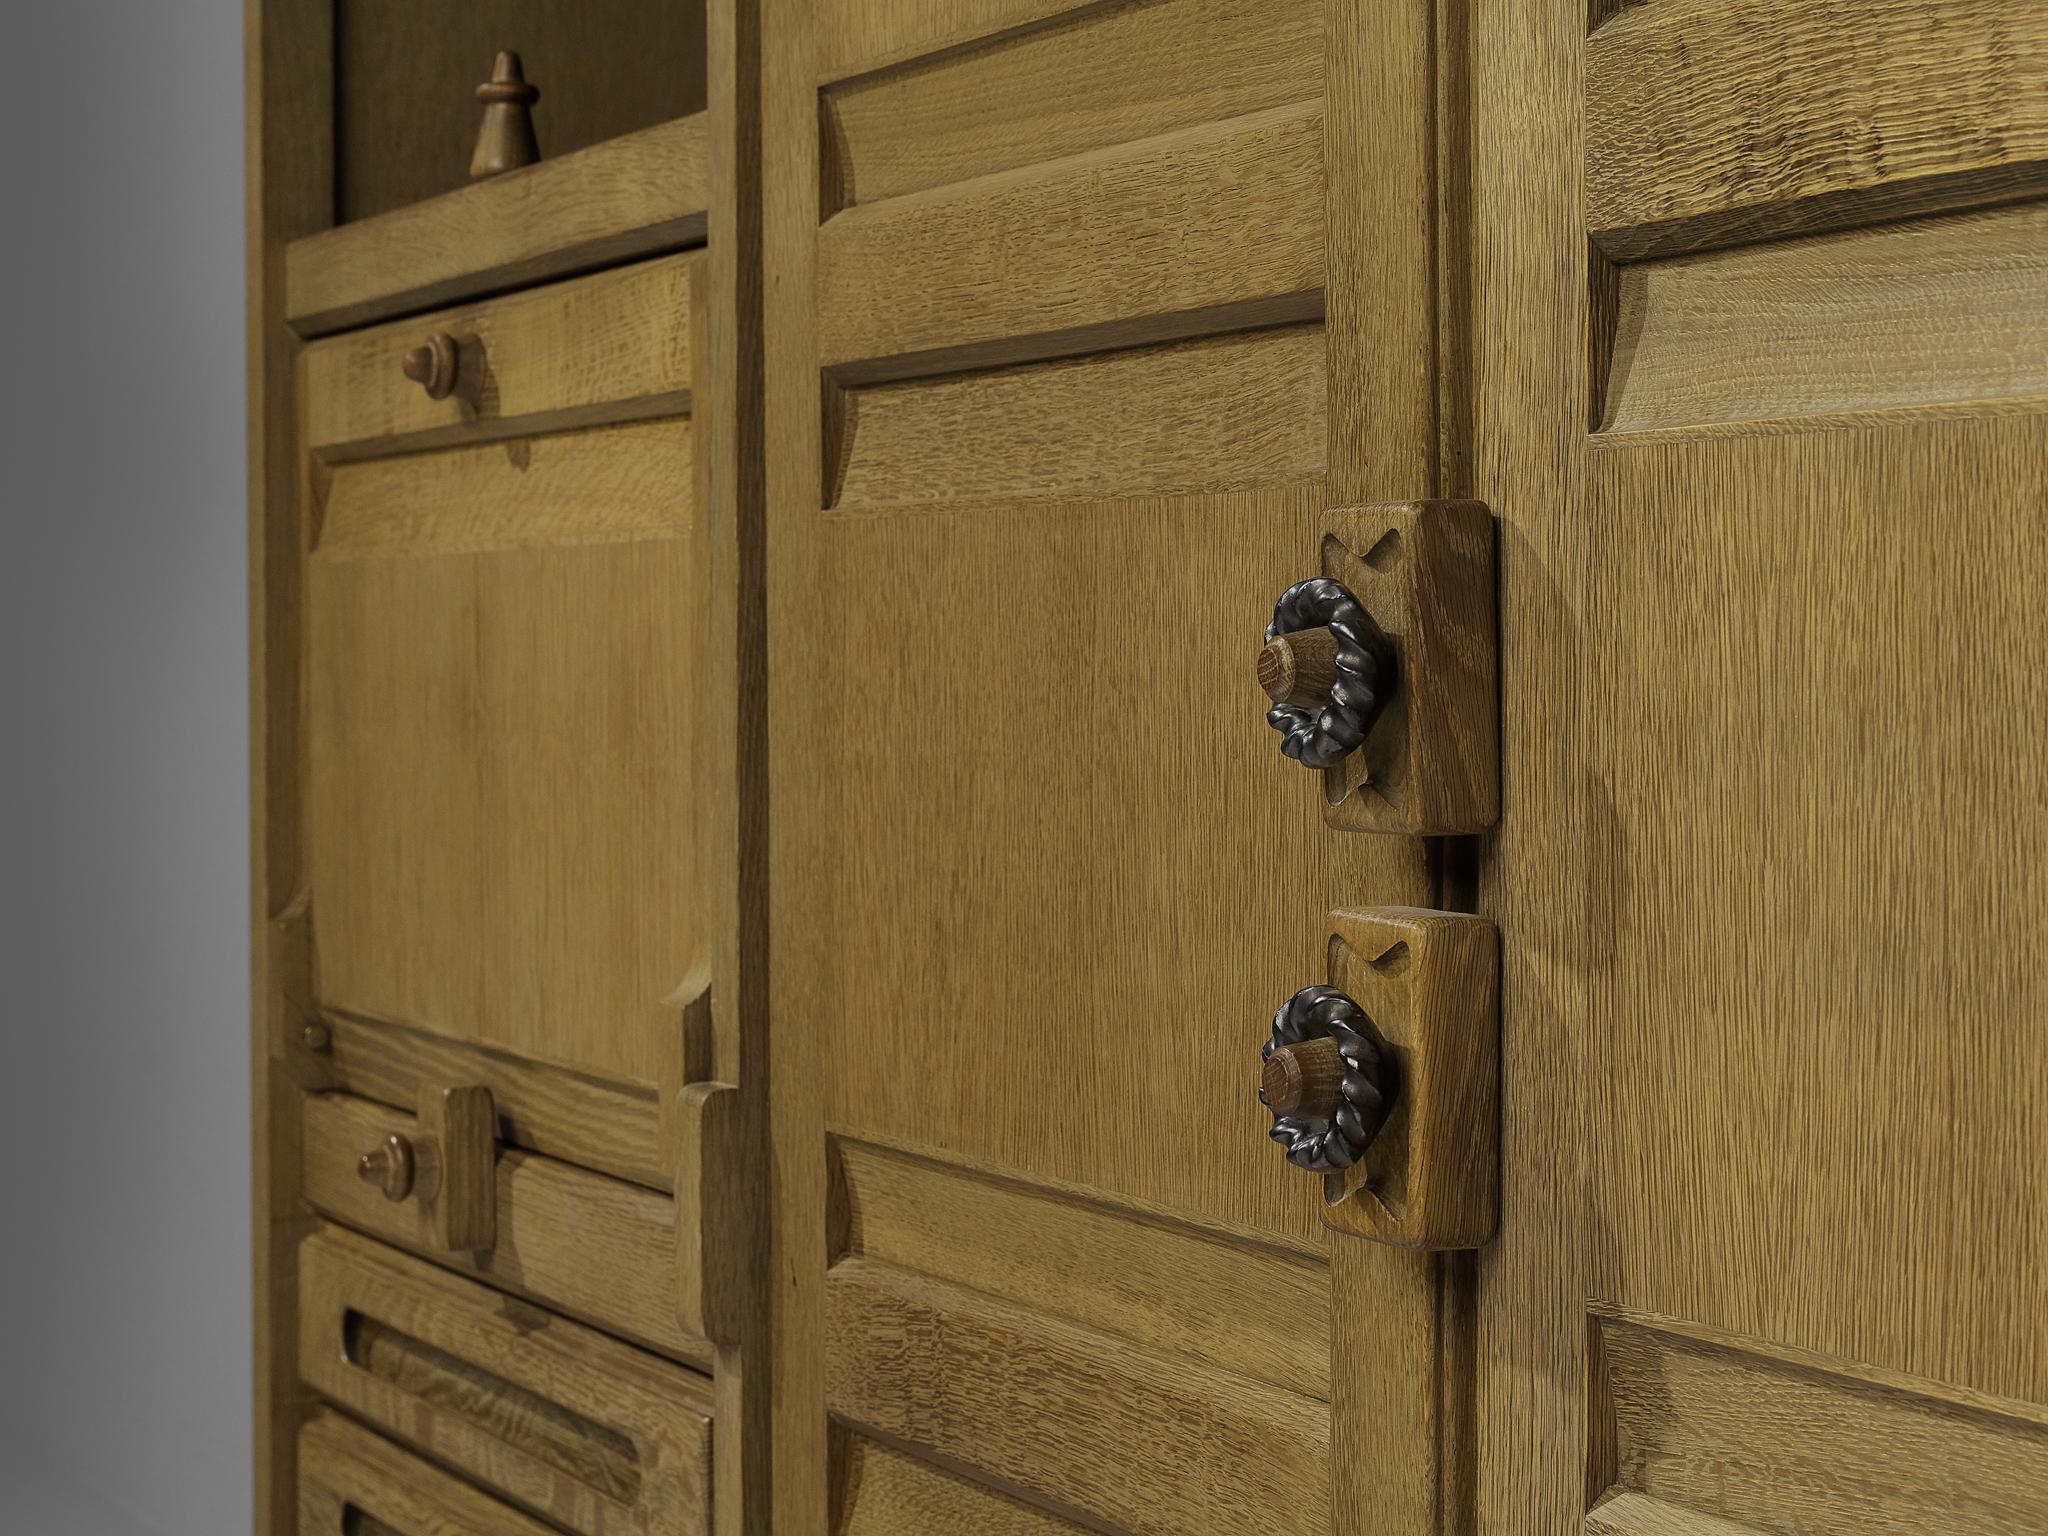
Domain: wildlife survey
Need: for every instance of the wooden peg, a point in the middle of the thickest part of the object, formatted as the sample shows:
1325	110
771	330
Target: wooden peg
506	141
1297	669
1303	1079
433	365
389	1165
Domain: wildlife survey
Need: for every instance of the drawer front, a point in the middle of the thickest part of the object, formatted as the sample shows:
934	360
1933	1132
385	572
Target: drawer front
608	348
355	1483
562	1421
598	1248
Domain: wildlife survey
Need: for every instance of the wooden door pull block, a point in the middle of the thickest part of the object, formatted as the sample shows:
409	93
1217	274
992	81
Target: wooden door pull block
459	1193
1424	572
1430	983
715	1235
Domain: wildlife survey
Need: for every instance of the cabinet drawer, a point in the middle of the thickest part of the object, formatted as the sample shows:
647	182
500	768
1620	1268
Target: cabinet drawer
355	1483
598	1248
595	1435
613	347
503	635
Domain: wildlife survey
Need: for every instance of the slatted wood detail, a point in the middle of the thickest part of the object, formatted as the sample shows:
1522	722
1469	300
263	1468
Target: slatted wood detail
886	1491
1950	311
1237	1306
1183	418
875	33
1153	1444
1710	1433
596	1248
355	1483
1710	122
611	485
999	273
552	1416
1108	75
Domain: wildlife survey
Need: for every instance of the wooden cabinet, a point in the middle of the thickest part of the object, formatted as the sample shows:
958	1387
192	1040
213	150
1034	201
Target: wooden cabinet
759	625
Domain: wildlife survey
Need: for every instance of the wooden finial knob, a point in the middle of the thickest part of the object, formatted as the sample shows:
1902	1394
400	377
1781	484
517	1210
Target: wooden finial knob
506	141
434	364
1303	1079
389	1165
1297	669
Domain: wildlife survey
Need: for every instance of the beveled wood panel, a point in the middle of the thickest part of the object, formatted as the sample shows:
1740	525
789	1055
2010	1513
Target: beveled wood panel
859	35
889	1492
1863	617
1703	1428
636	195
1950	311
1713	121
609	347
608	485
1149	1444
1238	1306
1103	76
355	1483
501	811
1082	251
554	1417
1188	417
1029	851
596	1248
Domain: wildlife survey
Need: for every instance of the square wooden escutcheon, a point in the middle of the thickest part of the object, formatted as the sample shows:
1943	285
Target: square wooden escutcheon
1430	983
1423	570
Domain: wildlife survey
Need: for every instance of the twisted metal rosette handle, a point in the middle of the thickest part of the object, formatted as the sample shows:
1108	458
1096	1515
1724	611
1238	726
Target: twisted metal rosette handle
1317	733
1333	1135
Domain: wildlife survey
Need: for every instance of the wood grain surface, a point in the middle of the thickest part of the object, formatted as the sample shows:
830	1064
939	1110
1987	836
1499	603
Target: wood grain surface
636	195
552	1416
595	1248
602	348
1785	331
1710	122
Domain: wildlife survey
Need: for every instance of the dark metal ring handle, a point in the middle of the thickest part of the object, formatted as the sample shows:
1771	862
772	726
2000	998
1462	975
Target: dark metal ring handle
1329	1079
1328	669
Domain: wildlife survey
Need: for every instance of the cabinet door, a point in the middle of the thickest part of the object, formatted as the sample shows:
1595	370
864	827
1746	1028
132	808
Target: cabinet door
1769	881
1081	319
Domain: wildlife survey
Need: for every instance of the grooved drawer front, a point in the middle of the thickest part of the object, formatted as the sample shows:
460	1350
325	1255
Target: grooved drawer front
598	1248
355	1483
602	348
597	1436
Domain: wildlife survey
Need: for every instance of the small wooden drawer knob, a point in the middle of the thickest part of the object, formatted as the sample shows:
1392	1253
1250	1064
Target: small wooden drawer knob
434	364
389	1165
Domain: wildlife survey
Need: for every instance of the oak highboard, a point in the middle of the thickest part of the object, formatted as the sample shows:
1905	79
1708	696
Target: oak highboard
1150	766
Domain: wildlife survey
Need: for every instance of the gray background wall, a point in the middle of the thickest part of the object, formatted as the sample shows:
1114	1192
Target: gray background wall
124	1248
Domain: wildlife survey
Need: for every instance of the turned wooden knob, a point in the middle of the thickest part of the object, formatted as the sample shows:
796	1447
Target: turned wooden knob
506	141
433	365
1303	1079
389	1165
1298	669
